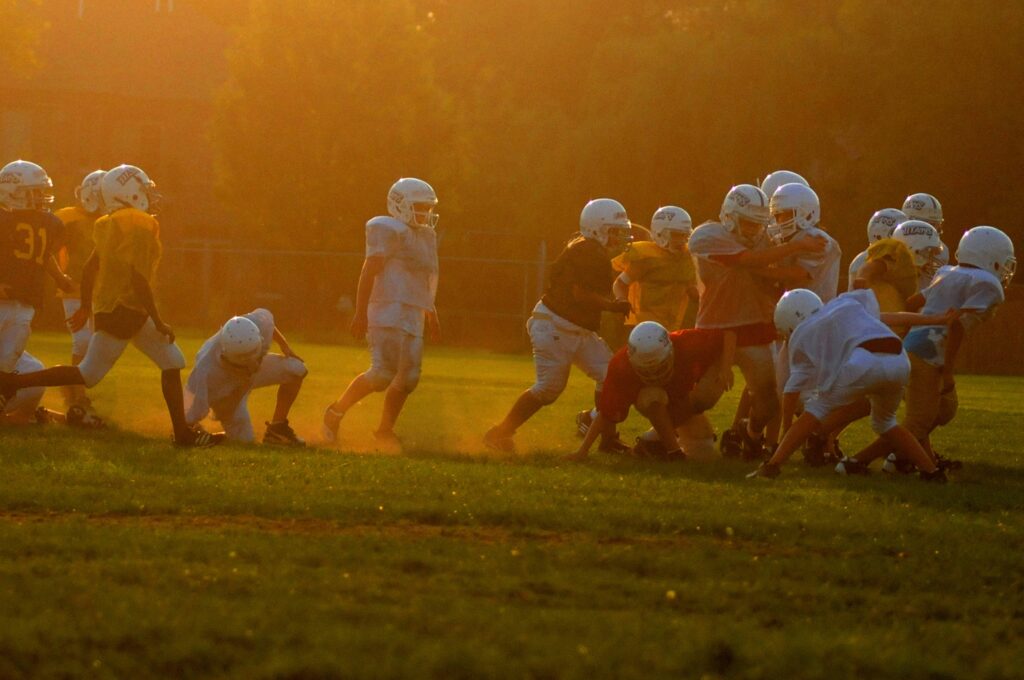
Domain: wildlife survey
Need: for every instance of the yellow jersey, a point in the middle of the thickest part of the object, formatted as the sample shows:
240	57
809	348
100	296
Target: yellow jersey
126	241
659	282
78	244
900	273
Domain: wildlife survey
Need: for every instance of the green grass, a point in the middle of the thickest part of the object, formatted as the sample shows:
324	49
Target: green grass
123	557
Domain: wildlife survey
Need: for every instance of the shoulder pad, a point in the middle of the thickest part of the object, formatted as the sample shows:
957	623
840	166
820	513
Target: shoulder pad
70	214
385	222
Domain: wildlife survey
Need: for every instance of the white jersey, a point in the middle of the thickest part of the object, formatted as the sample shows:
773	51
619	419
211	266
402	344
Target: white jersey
821	345
953	288
855	266
407	285
729	296
214	384
823	267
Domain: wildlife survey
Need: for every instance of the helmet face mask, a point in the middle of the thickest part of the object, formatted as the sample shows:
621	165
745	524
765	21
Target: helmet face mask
745	212
671	227
989	249
651	353
794	207
413	202
25	186
604	220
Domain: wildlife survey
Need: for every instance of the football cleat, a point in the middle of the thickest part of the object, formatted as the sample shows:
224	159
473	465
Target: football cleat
198	438
44	416
814	450
497	440
754	449
282	434
894	465
80	416
766	470
583	421
614	444
649	448
939	476
947	464
332	421
851	466
731	445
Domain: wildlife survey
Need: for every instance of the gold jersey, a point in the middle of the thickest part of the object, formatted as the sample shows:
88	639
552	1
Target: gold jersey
78	244
659	280
126	241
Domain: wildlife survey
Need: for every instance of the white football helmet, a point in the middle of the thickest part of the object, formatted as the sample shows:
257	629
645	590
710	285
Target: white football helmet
89	195
924	207
650	352
241	344
799	199
604	220
990	249
744	201
883	222
924	243
774	180
413	201
127	186
25	186
795	307
671	227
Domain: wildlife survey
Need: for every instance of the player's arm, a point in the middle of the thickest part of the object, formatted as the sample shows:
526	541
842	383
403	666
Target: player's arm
140	284
89	272
282	342
620	287
592	299
916	319
55	272
595	430
790	403
762	258
372	266
915	302
728	356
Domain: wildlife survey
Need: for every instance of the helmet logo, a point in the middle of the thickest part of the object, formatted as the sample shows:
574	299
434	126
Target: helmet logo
914	230
917	204
741	200
10	178
127	176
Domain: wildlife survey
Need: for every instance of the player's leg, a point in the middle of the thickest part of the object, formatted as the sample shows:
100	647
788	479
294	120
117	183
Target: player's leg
287	373
168	358
552	360
592	356
236	421
385	351
697	437
924	397
758	370
21	409
75	395
407	377
15	328
653	403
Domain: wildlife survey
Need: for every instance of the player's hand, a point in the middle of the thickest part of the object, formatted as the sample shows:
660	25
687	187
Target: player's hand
621	307
358	326
77	321
810	244
164	329
951	316
433	327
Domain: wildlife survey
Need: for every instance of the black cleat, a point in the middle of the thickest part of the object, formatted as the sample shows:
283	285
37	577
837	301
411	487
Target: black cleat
851	466
814	450
198	438
939	476
895	465
614	445
583	422
282	434
766	470
947	464
731	445
649	448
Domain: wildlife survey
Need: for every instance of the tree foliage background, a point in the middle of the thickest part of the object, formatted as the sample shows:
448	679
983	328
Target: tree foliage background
518	111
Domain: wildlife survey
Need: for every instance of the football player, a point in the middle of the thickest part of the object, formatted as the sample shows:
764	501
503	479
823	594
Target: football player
235	361
23	407
671	379
985	266
880	226
29	236
925	245
394	305
738	289
78	246
776	179
564	323
117	293
840	353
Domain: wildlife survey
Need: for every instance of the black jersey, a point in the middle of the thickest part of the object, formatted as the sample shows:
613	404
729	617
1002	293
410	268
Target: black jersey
584	263
28	238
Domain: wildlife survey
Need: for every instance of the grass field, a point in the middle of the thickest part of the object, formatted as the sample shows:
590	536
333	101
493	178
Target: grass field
123	557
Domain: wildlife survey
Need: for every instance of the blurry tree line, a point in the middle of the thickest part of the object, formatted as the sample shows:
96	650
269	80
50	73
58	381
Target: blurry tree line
518	111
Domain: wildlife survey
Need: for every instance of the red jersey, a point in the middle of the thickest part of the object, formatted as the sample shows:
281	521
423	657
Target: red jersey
695	350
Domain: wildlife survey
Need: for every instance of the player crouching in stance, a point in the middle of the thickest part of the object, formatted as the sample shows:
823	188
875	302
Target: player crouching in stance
23	407
672	379
117	293
564	324
394	301
839	354
235	361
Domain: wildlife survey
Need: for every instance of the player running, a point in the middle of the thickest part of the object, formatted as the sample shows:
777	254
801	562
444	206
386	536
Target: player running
394	304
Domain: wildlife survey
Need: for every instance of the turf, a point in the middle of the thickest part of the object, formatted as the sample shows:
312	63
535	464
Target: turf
121	556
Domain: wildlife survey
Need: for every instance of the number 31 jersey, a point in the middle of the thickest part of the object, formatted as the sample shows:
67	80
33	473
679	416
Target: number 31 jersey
28	238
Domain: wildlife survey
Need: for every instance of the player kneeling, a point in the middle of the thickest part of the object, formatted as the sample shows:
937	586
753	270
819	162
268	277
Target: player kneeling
236	361
839	354
671	379
23	407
